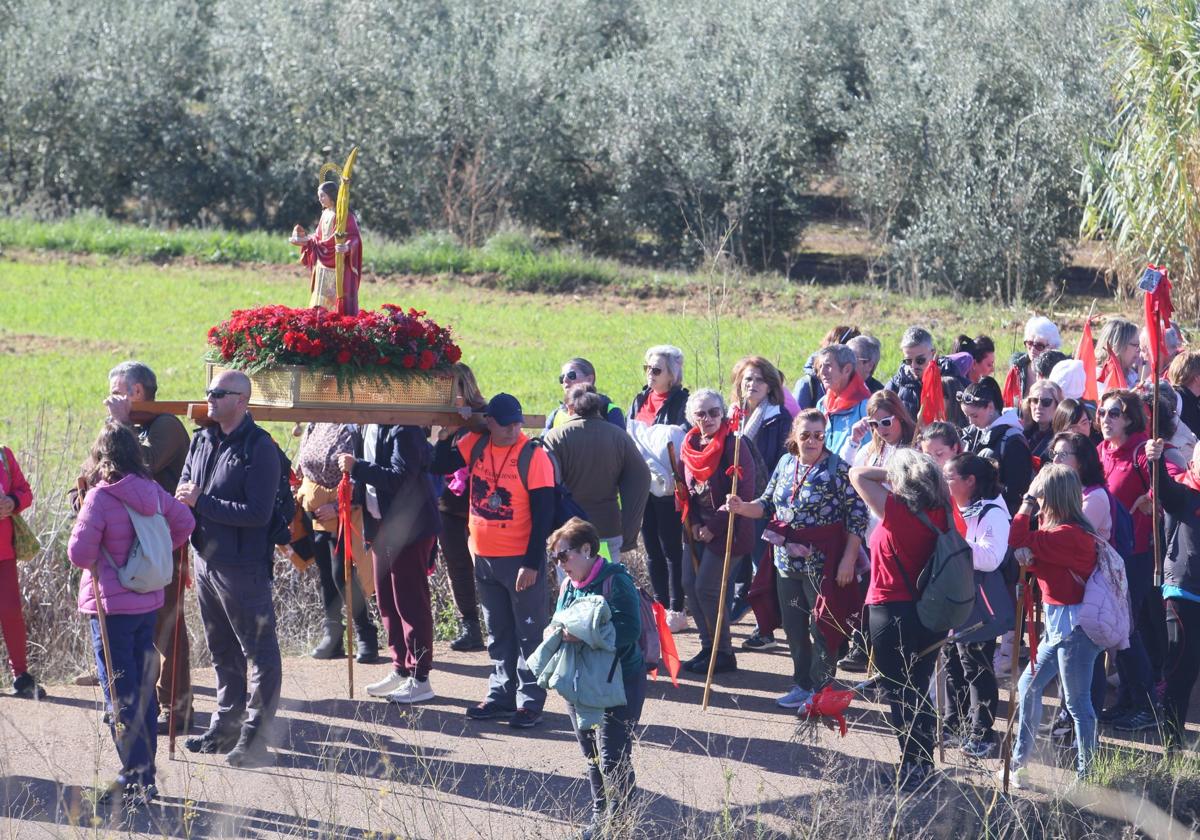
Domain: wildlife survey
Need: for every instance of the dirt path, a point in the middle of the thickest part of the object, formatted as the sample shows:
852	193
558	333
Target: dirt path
365	768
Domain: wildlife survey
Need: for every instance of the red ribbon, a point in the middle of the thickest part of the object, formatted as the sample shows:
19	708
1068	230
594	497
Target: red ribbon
666	642
828	703
345	501
736	470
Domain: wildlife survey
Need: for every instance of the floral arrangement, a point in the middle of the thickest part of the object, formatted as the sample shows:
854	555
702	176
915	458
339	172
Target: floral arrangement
386	342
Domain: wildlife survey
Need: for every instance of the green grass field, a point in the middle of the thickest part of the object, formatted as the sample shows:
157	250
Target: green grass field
67	320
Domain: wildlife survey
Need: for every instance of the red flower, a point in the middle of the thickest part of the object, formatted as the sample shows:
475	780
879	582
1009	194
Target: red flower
426	360
409	360
343	357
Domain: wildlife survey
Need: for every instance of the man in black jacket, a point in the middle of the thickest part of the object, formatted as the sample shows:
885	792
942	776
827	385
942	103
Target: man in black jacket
230	481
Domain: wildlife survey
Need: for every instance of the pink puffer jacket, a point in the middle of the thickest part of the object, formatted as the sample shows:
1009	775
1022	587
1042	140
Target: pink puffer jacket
103	521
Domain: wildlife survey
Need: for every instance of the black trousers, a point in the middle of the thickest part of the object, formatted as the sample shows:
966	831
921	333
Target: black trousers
972	693
333	584
460	566
662	534
1182	662
897	635
609	748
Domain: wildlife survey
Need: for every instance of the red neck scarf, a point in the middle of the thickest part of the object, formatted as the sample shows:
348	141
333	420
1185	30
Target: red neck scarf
702	462
855	392
648	413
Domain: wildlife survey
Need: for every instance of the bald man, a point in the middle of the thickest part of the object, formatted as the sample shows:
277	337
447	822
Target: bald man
230	481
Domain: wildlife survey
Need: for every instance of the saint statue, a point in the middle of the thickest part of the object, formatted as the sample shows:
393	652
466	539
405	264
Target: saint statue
320	252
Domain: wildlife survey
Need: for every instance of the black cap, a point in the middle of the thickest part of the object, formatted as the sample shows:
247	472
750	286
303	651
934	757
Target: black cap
504	409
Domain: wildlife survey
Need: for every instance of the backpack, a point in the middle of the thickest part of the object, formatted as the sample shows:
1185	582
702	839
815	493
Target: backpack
994	605
565	507
1121	535
1104	613
279	529
151	562
946	585
648	642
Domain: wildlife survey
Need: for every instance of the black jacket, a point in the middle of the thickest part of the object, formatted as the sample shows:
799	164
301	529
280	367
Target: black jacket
1006	444
673	411
400	475
907	385
1189	412
772	437
238	476
1181	566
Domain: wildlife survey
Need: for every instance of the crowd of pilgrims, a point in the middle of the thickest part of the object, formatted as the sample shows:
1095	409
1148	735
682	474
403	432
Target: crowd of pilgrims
841	491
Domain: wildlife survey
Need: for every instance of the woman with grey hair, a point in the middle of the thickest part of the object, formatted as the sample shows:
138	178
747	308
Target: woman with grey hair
708	454
662	403
917	504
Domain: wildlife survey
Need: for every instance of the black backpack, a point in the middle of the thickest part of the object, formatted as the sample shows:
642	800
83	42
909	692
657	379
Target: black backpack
279	529
565	507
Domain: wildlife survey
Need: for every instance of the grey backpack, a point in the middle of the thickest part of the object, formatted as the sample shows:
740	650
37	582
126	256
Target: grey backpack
151	558
945	591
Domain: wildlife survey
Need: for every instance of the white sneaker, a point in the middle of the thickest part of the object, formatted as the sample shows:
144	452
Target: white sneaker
795	698
1018	777
415	691
392	682
677	622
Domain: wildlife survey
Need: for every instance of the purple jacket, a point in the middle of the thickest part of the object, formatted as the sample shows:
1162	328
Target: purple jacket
103	521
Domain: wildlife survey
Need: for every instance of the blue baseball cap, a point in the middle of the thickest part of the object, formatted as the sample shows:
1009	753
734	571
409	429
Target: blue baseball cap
504	409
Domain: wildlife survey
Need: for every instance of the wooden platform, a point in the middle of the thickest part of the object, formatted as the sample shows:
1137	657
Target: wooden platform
197	412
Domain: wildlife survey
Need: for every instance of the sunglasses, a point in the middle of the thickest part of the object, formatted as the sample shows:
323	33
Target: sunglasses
885	423
972	399
712	413
806	436
560	557
1044	402
653	371
569	376
1115	411
220	393
1060	454
1039	346
918	360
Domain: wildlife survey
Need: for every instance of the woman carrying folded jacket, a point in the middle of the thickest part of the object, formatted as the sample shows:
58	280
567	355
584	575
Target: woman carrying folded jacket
1061	556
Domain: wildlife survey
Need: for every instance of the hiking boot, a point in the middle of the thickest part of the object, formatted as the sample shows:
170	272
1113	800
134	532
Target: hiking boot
413	691
525	718
757	641
211	741
911	776
855	662
251	752
470	637
1137	721
726	662
332	645
489	709
366	648
700	659
183	722
26	687
394	681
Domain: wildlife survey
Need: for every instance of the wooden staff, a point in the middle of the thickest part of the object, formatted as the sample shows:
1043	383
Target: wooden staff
938	698
1155	466
346	541
712	660
1022	593
687	526
107	649
182	571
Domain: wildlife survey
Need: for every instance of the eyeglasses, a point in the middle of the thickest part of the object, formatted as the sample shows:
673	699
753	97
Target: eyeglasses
863	361
1060	454
569	376
972	399
1039	346
712	413
560	557
653	371
1044	402
806	436
885	423
918	360
1112	411
220	393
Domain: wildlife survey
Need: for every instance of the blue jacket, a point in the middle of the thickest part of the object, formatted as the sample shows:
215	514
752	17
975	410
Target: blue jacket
840	424
238	476
400	475
772	438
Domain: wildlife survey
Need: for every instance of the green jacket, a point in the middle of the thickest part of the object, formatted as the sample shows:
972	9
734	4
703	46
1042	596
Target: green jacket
584	672
625	604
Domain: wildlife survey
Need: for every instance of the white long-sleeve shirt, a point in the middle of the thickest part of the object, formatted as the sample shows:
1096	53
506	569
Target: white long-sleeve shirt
988	535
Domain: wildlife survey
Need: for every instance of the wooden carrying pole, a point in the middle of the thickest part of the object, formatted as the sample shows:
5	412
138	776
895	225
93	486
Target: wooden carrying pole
716	633
1013	671
111	680
687	526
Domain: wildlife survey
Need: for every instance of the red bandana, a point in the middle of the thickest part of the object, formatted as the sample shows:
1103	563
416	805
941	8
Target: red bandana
855	392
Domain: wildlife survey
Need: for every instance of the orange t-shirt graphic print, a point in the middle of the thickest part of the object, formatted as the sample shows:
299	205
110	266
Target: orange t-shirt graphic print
499	522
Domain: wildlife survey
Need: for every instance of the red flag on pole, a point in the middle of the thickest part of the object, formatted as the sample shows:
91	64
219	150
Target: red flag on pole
1111	374
668	651
1086	353
933	398
1011	393
1158	310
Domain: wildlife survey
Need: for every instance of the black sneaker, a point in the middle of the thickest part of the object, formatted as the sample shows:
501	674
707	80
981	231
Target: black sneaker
26	687
855	661
700	659
1137	722
211	741
1114	713
489	709
726	662
525	718
470	639
250	752
757	641
911	776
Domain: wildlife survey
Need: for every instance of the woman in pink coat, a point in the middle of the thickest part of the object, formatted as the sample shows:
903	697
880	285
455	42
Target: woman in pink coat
101	541
15	496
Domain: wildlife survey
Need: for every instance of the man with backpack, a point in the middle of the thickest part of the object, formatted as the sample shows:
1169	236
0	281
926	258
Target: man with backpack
512	508
231	480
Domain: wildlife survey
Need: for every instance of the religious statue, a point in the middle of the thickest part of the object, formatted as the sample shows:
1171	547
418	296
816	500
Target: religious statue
333	252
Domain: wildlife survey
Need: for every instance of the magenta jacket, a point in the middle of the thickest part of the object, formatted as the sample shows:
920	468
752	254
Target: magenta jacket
12	483
103	521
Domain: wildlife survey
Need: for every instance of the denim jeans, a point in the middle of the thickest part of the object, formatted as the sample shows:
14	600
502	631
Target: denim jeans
135	663
1073	658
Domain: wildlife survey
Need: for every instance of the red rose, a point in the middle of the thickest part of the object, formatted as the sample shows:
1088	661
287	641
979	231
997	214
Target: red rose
343	357
453	354
426	361
409	360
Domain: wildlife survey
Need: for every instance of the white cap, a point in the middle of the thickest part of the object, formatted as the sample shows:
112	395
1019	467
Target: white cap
1043	328
1071	377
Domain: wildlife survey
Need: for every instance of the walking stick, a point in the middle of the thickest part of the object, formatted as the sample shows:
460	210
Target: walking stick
687	531
1155	466
1014	662
182	571
712	660
346	541
106	648
937	701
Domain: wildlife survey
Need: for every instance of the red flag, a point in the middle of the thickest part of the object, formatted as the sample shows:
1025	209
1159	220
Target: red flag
1086	353
666	642
933	398
1158	314
1111	374
1012	387
828	703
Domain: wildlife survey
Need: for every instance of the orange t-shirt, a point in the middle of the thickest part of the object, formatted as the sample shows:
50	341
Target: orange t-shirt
498	521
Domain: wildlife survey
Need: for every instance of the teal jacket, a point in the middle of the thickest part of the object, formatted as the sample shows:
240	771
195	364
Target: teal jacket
625	604
583	672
